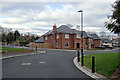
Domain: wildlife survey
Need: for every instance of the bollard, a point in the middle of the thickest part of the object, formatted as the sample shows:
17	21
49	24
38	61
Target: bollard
93	64
36	48
82	57
78	56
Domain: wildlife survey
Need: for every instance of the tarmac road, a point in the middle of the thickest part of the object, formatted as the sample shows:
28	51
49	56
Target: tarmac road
52	64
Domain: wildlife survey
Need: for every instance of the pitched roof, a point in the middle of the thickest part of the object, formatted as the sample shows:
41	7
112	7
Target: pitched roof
117	40
41	39
105	40
48	33
85	35
64	29
67	30
94	36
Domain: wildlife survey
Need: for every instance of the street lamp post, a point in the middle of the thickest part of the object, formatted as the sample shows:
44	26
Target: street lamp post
82	61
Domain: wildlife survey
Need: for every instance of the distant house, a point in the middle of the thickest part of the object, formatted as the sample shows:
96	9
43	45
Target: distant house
64	37
116	42
96	40
106	42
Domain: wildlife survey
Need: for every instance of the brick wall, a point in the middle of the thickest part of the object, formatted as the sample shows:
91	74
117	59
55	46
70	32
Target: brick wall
40	45
87	44
97	43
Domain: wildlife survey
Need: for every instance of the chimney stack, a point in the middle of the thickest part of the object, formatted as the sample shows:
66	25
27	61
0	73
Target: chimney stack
54	37
54	28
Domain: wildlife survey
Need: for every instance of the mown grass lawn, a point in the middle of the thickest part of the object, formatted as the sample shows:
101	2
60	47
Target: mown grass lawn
12	49
105	63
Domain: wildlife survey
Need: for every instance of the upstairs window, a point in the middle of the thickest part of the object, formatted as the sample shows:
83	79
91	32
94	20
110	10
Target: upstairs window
66	36
45	37
92	41
57	36
78	36
89	40
67	44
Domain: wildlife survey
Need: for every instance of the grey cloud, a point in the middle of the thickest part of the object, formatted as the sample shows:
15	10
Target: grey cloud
94	14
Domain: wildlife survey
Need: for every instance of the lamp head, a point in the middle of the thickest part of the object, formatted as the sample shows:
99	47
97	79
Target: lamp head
80	11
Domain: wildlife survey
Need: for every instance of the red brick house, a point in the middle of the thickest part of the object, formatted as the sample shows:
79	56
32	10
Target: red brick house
64	37
116	42
96	40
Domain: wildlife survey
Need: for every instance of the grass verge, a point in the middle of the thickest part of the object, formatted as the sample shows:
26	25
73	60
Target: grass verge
105	63
12	49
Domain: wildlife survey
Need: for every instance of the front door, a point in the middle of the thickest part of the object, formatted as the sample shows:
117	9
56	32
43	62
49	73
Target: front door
78	45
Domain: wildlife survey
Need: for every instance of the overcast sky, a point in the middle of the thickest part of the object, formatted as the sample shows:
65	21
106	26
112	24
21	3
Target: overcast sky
39	17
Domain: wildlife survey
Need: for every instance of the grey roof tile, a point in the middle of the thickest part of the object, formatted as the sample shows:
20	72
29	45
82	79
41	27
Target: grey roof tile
41	39
64	29
48	33
68	30
104	40
94	36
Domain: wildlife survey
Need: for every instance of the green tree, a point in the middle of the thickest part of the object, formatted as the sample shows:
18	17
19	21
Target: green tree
32	38
16	34
4	37
21	39
10	37
36	38
114	24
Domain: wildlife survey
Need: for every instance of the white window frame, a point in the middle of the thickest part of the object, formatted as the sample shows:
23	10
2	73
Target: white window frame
78	36
65	44
57	36
92	41
66	36
89	45
89	40
45	37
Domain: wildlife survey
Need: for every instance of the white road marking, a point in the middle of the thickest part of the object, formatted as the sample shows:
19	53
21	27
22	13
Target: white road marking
26	64
41	51
42	62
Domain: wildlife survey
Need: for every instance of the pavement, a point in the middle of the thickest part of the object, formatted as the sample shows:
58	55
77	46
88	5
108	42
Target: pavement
51	64
87	70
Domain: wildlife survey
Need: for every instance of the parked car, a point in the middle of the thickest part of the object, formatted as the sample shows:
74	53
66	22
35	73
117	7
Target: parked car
108	47
100	47
27	45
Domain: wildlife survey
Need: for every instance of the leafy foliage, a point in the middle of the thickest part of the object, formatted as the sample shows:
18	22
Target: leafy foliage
10	37
4	37
7	35
16	34
114	24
